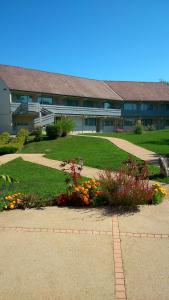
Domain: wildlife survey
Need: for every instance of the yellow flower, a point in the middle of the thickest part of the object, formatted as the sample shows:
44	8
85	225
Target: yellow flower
5	206
11	206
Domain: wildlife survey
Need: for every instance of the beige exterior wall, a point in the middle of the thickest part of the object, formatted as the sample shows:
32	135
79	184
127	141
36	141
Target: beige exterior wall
5	112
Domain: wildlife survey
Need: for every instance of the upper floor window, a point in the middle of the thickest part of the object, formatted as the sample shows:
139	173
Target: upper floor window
71	102
88	103
108	105
45	100
130	106
23	98
146	106
167	106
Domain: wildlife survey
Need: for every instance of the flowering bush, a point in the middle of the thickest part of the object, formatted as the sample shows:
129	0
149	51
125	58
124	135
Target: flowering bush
11	201
129	186
79	192
159	193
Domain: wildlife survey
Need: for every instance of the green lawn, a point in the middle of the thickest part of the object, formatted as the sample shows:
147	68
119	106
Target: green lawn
157	141
34	179
94	152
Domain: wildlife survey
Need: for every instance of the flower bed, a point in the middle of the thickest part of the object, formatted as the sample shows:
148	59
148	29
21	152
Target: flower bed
127	187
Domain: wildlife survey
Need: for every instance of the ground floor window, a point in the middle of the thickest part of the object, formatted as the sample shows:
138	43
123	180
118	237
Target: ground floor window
108	123
167	122
129	122
147	122
90	122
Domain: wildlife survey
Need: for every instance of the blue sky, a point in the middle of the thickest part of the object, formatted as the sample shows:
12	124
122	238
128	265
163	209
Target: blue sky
102	39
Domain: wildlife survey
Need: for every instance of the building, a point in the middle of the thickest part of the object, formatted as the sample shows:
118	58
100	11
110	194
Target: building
31	97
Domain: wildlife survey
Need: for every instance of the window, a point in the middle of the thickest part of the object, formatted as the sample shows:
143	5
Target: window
23	99
108	123
129	122
90	122
88	104
167	122
108	105
146	107
71	102
130	106
167	108
147	122
45	100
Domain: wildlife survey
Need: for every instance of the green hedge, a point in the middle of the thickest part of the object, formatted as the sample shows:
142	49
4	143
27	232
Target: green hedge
12	145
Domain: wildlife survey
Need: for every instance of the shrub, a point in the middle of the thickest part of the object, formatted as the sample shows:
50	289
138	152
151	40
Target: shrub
37	132
129	186
53	131
14	144
23	133
66	125
4	137
138	128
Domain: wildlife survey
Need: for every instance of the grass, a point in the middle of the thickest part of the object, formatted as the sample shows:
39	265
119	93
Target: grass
156	141
34	179
94	152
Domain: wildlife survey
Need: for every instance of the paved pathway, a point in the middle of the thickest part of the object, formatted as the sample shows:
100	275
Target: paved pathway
41	160
140	152
94	254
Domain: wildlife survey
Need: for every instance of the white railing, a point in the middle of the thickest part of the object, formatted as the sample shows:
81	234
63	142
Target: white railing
82	111
25	107
45	120
65	110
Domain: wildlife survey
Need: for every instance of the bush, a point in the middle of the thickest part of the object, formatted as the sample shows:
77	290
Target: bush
53	131
138	128
23	133
37	132
129	186
66	125
4	137
8	146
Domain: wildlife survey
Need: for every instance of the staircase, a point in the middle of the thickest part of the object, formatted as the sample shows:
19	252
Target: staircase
44	120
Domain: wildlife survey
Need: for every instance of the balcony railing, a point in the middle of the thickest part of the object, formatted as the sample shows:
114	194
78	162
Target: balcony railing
64	110
148	113
25	107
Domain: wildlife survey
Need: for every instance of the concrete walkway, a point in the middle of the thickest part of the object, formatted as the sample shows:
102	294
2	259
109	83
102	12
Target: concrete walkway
140	152
46	162
94	254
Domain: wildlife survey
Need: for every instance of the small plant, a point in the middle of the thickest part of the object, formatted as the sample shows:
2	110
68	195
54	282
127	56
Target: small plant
66	125
138	128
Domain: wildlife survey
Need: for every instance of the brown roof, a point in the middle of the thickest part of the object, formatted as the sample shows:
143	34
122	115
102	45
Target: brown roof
17	78
142	91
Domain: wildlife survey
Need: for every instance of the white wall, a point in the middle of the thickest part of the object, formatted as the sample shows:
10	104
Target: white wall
5	114
80	126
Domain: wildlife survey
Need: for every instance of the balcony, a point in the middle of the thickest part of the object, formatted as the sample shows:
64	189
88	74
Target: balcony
148	113
60	110
23	108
